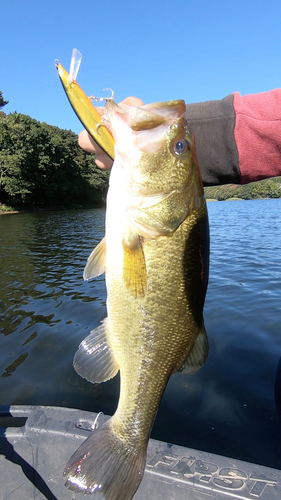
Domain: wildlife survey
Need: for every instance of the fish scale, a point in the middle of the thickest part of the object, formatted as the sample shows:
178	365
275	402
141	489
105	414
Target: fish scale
156	257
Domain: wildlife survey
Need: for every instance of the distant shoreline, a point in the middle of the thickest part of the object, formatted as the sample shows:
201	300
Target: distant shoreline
65	208
267	188
260	190
50	208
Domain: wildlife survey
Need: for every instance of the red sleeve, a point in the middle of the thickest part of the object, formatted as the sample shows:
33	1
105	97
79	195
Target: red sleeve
257	134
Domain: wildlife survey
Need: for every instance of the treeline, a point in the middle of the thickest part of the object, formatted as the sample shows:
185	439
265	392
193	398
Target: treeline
268	188
41	164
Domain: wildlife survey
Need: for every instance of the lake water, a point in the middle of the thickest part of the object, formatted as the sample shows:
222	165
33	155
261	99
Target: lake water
46	309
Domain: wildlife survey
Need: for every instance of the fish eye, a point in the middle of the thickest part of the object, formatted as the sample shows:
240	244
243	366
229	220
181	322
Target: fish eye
180	146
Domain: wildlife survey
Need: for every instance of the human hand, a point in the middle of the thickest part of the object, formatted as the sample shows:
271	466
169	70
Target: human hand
85	141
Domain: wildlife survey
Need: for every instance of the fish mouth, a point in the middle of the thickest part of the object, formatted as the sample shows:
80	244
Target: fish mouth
148	116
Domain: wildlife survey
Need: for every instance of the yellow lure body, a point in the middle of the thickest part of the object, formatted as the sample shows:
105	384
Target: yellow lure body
86	112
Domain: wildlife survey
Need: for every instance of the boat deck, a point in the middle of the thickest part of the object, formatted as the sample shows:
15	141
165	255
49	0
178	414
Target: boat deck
37	441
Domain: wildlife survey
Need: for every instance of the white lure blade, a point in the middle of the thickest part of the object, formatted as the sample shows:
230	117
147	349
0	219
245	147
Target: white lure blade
74	65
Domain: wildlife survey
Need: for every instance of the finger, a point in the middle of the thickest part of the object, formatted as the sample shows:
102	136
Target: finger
103	161
131	101
86	142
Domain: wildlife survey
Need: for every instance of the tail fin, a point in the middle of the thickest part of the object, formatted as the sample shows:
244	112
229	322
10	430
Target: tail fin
104	463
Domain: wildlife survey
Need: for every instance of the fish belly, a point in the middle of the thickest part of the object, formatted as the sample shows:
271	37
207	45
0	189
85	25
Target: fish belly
152	335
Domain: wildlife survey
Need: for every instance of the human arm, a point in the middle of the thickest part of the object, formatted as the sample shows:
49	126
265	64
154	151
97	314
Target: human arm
238	138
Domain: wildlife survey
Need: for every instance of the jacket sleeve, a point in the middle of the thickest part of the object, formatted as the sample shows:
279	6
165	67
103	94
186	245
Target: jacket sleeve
238	139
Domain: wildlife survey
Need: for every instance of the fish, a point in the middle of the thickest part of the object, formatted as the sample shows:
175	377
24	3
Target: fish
155	255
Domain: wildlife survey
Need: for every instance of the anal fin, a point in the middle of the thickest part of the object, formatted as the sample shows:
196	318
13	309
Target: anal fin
198	355
94	359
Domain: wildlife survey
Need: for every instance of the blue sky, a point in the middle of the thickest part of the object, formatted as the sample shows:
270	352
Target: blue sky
157	50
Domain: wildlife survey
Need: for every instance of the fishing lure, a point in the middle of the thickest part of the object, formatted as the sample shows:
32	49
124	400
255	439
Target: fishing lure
82	105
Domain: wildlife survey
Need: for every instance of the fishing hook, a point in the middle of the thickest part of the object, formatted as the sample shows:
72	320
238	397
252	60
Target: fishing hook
95	424
100	99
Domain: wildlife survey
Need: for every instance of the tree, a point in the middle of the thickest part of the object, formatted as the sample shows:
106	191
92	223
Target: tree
42	164
2	102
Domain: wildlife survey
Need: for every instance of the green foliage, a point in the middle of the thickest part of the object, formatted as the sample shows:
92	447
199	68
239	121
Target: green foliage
2	103
268	188
42	164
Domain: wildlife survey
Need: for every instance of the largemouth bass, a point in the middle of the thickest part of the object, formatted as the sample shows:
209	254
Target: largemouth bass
156	258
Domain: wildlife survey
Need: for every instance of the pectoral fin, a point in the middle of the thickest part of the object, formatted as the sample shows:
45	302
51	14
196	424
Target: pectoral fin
96	262
134	268
94	359
197	357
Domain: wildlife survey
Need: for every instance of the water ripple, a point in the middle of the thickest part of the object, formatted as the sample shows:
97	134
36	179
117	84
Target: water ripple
46	310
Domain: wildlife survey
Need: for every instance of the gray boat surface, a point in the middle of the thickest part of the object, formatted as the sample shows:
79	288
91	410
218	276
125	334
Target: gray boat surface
37	441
